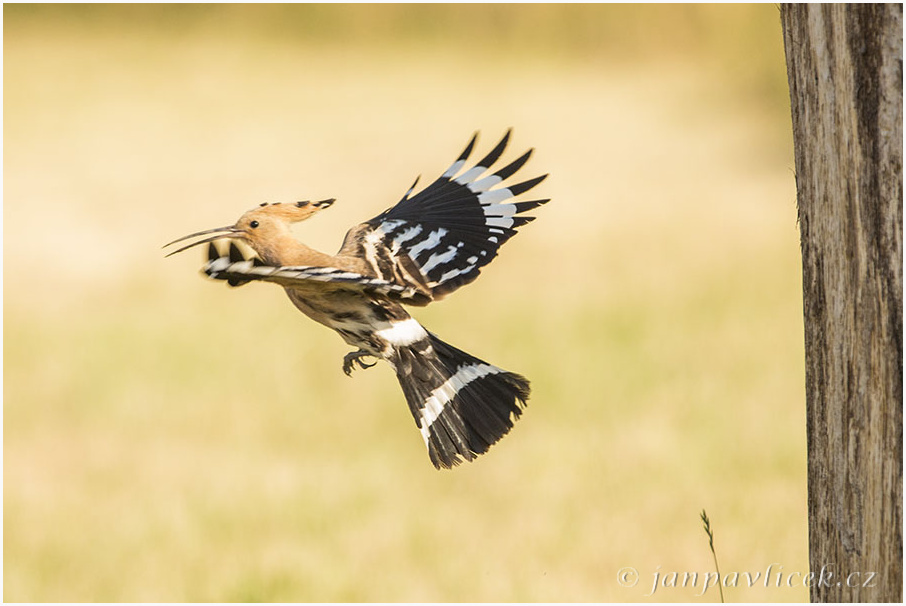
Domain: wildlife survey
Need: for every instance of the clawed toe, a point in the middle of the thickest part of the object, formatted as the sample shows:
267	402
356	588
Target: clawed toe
353	358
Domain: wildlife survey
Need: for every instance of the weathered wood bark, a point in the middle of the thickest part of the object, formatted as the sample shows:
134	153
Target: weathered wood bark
845	68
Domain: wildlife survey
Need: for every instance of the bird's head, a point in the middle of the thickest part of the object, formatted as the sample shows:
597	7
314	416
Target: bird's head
260	227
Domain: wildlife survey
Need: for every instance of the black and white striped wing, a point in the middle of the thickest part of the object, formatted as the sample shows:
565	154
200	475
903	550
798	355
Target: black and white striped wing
236	269
441	237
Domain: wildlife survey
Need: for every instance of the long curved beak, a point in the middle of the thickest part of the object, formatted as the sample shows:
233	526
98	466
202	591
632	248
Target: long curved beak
221	232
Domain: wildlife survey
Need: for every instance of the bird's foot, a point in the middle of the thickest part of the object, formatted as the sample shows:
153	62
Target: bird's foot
353	358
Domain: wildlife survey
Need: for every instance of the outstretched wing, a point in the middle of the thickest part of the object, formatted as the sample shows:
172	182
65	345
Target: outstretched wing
236	269
441	237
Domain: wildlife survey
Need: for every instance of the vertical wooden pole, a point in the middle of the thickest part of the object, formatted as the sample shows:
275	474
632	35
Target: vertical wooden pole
845	68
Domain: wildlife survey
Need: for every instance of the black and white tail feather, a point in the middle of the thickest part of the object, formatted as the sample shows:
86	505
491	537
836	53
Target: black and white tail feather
462	405
420	250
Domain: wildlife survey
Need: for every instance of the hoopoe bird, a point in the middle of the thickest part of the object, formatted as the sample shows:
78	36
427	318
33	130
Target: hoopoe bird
416	252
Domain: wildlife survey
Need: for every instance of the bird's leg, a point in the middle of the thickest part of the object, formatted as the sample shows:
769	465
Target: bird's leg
353	358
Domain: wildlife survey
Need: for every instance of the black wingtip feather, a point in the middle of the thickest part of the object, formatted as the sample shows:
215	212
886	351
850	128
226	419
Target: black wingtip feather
495	153
523	187
507	171
213	253
468	150
411	189
520	221
521	207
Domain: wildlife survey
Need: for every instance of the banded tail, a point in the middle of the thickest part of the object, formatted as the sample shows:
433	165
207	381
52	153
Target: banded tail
461	404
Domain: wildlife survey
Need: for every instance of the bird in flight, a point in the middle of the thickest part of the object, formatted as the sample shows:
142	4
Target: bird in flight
418	251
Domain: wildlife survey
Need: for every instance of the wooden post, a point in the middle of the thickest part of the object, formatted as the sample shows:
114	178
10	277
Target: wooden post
845	68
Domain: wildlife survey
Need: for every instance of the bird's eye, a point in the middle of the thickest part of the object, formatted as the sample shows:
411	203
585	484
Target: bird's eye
253	224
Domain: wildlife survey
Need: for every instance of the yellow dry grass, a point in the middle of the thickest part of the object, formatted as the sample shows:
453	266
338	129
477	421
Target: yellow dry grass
166	438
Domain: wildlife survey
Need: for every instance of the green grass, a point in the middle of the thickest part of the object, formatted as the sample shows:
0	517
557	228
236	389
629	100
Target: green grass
167	438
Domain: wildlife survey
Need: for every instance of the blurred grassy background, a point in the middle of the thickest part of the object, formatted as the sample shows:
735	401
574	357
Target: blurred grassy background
166	438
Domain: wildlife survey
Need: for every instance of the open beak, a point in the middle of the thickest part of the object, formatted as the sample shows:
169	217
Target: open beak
220	232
